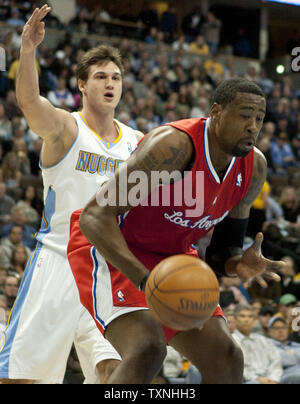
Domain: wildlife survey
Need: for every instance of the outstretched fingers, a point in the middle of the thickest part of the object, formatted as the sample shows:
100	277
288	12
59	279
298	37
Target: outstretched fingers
38	14
275	266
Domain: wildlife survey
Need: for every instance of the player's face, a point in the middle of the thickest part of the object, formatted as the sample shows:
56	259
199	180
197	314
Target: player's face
103	89
239	123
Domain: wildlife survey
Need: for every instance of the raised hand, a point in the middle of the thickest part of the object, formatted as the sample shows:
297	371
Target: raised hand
34	30
254	266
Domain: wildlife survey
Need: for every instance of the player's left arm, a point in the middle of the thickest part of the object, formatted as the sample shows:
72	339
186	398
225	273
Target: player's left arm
228	237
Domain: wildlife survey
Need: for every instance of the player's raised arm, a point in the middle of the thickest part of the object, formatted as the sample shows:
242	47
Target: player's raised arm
42	117
162	149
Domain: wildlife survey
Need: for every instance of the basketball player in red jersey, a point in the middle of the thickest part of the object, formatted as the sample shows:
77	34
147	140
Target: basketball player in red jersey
234	172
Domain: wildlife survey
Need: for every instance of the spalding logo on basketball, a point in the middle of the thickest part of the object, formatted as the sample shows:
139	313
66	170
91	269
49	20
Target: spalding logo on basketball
182	292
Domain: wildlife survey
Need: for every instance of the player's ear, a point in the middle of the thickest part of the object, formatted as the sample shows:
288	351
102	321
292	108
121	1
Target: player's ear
215	111
81	86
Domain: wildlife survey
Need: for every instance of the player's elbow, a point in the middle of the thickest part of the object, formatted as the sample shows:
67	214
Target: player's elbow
86	220
90	223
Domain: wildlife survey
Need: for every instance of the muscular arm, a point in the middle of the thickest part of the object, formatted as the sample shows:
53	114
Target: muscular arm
163	149
57	127
252	264
225	249
242	210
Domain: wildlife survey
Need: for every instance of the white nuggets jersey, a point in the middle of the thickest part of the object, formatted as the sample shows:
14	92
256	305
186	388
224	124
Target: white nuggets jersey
73	181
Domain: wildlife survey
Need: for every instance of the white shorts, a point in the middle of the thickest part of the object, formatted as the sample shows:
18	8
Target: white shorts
46	319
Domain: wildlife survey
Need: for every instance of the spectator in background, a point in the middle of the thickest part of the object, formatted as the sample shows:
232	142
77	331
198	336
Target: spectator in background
241	45
264	316
19	258
148	15
200	109
262	363
214	68
6	204
192	24
20	148
61	97
169	23
151	38
10	173
265	82
12	72
230	320
5	125
8	244
34	157
252	73
212	29
286	305
181	44
16	18
264	145
199	46
290	205
28	203
290	284
257	305
230	295
10	291
11	105
282	153
258	211
289	351
172	366
3	276
296	149
18	217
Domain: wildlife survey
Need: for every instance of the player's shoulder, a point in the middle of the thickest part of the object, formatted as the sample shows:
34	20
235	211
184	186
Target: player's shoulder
260	160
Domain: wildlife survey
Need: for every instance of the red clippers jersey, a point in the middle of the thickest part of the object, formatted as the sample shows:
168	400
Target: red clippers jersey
171	226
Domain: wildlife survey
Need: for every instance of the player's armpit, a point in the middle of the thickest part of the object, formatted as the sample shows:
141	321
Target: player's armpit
242	210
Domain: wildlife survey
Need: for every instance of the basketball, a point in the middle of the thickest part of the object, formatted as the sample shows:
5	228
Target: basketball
182	292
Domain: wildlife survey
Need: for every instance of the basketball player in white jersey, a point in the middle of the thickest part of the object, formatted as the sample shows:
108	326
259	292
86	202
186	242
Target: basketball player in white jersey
80	151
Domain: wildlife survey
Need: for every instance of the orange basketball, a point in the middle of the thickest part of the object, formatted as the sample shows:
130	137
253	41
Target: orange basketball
182	292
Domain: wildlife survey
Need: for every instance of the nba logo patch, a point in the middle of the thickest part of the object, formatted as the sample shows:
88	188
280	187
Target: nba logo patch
239	180
120	296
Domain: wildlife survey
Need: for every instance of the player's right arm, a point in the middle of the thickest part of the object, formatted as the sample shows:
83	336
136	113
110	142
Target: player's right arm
163	149
57	127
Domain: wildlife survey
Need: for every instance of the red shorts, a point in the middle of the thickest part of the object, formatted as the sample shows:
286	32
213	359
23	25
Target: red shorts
104	291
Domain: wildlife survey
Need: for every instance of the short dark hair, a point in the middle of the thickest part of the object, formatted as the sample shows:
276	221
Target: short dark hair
227	90
243	307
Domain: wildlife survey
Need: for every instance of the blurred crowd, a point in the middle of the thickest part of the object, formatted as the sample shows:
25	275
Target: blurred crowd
165	80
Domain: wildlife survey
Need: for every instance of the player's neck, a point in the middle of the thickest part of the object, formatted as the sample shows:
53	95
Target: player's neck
220	160
102	123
